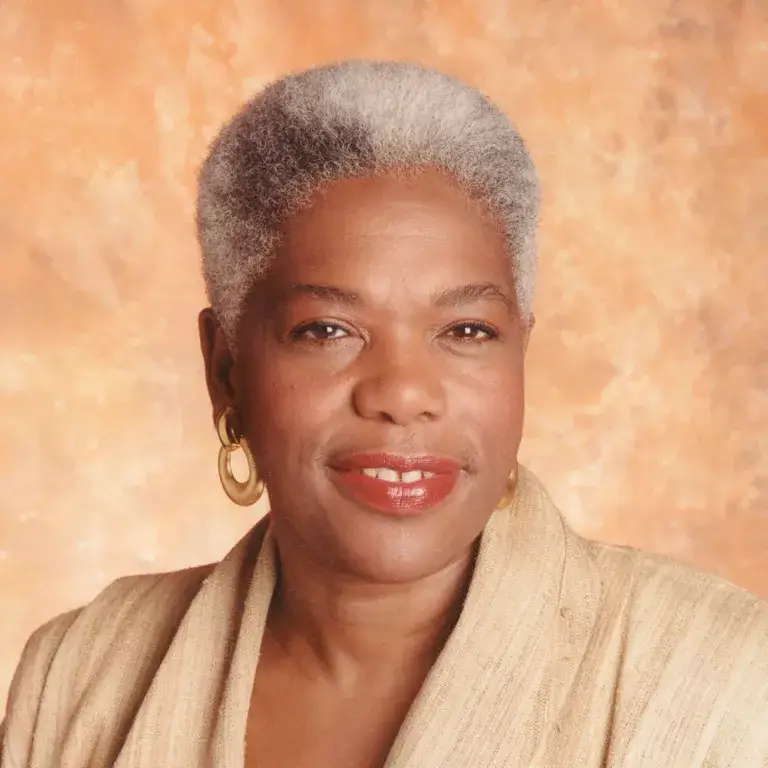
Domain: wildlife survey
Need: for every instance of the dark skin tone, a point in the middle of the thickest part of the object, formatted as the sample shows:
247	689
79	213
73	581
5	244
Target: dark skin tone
387	323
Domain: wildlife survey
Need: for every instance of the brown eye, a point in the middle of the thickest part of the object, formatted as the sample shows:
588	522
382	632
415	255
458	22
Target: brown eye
319	332
472	332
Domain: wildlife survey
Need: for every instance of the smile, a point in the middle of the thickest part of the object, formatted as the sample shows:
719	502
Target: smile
397	485
392	476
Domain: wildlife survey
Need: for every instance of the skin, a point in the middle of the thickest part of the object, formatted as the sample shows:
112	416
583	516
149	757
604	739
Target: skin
391	352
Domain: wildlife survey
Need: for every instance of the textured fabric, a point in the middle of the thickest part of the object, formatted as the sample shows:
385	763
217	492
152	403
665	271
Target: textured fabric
567	654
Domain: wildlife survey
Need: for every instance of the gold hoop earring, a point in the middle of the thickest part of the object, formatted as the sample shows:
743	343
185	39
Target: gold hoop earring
242	493
509	493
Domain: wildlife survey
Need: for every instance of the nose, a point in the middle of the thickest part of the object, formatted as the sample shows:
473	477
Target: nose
399	387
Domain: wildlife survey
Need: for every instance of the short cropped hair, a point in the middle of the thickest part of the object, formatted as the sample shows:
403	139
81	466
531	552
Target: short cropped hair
348	120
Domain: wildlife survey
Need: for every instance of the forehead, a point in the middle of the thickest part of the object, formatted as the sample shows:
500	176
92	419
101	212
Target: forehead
378	231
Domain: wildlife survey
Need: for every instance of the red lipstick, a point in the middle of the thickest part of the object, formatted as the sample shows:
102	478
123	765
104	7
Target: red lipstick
393	483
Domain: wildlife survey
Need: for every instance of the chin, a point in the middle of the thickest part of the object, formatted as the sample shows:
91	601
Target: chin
386	551
395	571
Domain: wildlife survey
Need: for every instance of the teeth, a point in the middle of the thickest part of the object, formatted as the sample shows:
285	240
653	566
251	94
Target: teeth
390	476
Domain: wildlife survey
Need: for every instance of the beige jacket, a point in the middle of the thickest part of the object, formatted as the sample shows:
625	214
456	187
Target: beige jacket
568	654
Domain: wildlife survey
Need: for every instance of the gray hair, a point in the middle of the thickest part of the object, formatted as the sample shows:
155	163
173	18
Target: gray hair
347	120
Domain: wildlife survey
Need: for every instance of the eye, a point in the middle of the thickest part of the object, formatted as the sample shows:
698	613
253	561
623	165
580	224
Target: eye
472	331
319	332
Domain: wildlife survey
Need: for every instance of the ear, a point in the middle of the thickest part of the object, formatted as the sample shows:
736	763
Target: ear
527	332
219	361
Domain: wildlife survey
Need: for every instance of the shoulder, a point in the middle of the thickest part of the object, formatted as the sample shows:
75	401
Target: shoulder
693	646
665	593
128	609
124	630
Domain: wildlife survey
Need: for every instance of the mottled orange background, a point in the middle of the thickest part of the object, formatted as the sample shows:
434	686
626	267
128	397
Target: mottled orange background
648	377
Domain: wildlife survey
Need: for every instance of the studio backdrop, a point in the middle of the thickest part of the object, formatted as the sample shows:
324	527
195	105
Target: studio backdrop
647	379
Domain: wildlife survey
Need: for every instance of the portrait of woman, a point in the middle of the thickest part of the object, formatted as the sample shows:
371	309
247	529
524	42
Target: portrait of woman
413	599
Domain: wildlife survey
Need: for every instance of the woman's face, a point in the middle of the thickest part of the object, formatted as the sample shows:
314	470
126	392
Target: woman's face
385	337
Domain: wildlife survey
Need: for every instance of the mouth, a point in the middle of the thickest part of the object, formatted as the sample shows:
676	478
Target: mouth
395	484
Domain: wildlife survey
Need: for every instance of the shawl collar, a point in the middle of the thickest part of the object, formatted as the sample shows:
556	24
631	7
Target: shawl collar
497	688
201	691
491	697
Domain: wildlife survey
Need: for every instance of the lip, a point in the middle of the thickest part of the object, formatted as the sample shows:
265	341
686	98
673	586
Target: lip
355	462
397	499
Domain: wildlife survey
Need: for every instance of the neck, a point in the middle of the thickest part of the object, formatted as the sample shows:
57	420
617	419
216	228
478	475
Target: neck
353	631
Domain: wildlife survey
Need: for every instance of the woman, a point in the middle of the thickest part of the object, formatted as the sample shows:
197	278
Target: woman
413	598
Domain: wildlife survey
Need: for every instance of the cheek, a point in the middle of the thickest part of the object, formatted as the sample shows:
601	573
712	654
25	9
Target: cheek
289	415
492	406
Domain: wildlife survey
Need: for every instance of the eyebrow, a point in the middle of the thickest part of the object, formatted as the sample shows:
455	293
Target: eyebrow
450	297
326	293
467	294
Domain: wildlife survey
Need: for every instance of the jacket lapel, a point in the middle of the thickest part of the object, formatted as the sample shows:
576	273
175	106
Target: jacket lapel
228	743
499	683
195	711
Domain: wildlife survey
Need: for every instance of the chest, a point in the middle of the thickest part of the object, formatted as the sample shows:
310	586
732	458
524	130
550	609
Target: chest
303	723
